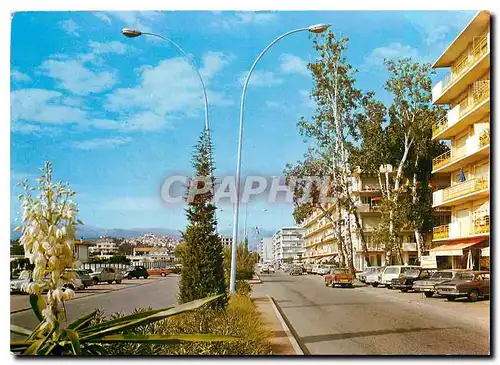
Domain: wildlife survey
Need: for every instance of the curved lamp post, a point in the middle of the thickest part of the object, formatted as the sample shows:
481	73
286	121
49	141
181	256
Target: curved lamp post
318	28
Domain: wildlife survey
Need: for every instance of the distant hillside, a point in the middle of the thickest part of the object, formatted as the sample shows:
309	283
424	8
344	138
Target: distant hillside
95	232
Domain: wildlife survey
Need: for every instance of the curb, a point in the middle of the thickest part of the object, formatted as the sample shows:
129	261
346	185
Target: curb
290	332
255	281
89	295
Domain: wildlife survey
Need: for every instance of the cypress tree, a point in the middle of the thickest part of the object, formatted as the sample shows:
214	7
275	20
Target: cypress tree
202	272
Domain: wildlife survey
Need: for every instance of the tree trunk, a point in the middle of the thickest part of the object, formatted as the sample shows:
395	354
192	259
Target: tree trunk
364	246
349	248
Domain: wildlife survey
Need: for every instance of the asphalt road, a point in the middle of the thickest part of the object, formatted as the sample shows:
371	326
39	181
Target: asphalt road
373	321
156	294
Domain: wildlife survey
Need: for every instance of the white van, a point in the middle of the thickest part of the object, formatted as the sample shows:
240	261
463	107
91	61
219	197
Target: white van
393	272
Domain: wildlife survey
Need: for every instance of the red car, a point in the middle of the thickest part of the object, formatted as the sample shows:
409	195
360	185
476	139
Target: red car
341	277
159	271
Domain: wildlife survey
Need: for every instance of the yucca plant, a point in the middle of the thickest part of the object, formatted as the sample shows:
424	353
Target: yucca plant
85	337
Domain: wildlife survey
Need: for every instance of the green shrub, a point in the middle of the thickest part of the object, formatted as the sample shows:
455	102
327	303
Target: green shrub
240	319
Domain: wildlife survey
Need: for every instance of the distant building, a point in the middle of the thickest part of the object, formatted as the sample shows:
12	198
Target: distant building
103	246
288	244
266	249
227	241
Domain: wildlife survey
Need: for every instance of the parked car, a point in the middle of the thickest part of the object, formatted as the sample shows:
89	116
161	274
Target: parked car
296	270
471	285
324	269
342	277
162	271
271	269
107	274
367	271
315	269
374	278
136	272
391	272
428	286
405	280
15	285
264	269
84	276
307	268
176	269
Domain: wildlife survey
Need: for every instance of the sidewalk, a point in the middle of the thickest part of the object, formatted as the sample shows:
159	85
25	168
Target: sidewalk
281	340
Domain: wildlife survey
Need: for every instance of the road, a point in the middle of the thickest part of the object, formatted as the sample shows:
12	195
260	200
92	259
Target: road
372	321
156	294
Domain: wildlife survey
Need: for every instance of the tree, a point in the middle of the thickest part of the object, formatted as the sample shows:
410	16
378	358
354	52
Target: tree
16	249
331	128
202	262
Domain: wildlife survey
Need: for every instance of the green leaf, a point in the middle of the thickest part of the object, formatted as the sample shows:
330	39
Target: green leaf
37	305
195	304
123	319
19	346
33	348
19	330
82	321
164	339
75	341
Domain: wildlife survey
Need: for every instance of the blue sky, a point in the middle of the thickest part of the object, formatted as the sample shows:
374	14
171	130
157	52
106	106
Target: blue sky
117	115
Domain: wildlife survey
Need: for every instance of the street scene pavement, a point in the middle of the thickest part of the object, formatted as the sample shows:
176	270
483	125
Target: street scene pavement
367	321
153	292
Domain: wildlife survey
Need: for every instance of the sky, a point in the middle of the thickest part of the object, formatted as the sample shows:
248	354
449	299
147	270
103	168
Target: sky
116	116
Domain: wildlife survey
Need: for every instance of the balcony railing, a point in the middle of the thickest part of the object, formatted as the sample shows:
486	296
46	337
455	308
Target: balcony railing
479	92
479	49
441	232
441	160
464	188
484	138
440	125
482	224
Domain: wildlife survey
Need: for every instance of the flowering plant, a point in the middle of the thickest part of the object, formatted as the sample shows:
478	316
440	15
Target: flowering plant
48	234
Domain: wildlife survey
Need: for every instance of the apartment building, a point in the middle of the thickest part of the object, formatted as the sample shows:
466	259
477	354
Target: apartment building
319	242
288	244
266	249
227	241
102	247
463	241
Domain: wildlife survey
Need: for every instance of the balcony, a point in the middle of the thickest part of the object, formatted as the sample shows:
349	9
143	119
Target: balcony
474	108
409	246
472	66
367	208
461	192
479	226
476	148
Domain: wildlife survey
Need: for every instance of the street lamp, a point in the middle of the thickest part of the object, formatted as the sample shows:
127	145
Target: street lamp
318	28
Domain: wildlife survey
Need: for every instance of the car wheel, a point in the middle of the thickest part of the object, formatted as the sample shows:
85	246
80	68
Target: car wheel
450	299
96	281
404	290
163	274
374	285
388	287
146	276
110	281
429	294
70	286
118	281
473	295
129	277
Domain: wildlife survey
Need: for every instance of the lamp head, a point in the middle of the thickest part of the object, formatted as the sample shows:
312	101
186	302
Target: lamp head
318	28
131	33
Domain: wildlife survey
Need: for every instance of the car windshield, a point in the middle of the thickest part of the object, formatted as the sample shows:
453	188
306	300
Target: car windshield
391	270
442	275
406	269
340	271
465	276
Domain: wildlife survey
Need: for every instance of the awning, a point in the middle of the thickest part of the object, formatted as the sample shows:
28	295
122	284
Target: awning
455	249
375	198
325	259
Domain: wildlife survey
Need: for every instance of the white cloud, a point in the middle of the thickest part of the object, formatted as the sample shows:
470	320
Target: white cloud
19	76
97	143
70	27
293	64
39	105
229	20
75	77
166	91
261	78
392	51
108	47
103	17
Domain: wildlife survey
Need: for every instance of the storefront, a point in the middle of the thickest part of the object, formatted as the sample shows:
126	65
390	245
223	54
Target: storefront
463	255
